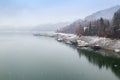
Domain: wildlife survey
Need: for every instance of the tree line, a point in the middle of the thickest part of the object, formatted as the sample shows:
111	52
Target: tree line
101	27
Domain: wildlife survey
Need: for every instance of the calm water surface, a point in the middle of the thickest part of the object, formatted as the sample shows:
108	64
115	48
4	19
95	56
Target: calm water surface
43	58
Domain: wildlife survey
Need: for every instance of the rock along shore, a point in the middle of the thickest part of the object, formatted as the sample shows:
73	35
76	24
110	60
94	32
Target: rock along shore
105	43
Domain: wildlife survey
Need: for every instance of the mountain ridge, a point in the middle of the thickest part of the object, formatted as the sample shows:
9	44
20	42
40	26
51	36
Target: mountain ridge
106	14
102	13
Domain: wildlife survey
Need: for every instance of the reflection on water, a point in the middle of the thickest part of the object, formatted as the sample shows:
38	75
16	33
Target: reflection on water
43	58
102	61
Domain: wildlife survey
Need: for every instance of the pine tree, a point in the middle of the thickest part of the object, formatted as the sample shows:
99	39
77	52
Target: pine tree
116	24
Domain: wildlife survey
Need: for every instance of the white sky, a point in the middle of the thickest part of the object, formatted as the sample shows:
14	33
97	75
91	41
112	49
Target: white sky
35	12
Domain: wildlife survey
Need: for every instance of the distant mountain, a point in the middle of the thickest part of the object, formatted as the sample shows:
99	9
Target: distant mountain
72	27
29	29
50	27
107	13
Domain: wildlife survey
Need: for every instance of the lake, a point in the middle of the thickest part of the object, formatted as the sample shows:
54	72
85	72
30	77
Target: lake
26	57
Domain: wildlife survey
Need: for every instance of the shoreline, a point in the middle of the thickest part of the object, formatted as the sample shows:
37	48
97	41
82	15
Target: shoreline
86	41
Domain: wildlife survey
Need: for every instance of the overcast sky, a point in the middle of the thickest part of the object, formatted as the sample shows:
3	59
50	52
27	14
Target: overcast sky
34	12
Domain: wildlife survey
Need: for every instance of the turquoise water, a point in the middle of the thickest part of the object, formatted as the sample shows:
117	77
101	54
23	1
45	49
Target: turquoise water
43	58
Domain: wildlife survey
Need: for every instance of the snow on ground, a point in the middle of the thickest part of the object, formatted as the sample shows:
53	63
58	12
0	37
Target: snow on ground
106	43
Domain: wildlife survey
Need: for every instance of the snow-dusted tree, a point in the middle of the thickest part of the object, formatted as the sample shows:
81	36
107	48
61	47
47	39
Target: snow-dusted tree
116	24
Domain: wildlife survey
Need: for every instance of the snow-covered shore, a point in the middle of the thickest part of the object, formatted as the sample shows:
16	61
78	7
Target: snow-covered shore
105	43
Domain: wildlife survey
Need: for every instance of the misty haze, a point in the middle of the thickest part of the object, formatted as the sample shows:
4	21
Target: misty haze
59	40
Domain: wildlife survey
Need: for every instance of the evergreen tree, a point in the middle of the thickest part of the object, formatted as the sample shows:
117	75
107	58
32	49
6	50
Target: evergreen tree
116	24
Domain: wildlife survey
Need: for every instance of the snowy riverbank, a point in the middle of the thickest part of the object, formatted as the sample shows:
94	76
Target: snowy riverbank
105	43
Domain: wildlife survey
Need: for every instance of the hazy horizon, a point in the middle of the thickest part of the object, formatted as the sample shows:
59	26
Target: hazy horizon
35	12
